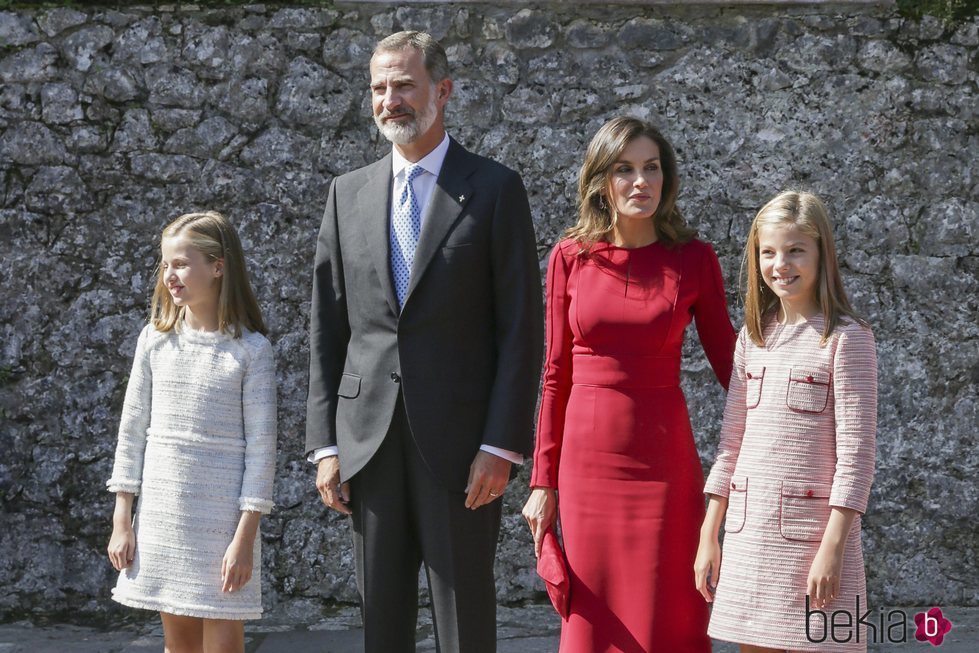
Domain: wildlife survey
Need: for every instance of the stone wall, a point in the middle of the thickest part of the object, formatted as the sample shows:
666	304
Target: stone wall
112	122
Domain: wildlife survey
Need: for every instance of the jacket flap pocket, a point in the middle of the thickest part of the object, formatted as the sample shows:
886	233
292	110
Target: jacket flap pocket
349	386
804	375
808	390
739	483
804	510
737	508
754	373
806	489
754	378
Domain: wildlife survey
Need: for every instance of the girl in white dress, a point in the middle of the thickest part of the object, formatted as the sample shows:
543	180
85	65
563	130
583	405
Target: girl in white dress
197	443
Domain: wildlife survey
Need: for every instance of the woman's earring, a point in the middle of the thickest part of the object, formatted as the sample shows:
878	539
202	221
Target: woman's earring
601	203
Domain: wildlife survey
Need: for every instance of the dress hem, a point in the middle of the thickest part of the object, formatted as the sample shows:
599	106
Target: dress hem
182	611
753	640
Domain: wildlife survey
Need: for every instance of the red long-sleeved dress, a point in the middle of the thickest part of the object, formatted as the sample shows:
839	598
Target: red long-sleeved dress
614	438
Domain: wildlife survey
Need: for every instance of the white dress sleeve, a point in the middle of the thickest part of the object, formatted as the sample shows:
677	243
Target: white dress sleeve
258	401
127	470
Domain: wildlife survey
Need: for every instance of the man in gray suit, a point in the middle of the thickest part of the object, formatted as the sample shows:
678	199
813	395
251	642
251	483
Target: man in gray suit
426	341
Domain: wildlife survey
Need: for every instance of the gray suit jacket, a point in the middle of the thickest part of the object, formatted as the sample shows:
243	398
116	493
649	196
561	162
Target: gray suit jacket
465	349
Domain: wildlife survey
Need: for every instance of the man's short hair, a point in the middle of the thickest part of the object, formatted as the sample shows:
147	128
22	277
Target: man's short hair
433	54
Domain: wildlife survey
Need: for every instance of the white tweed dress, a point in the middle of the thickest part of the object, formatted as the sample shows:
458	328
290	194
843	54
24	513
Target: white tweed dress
197	442
798	437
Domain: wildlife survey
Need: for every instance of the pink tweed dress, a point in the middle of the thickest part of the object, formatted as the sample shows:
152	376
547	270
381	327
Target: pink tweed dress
798	437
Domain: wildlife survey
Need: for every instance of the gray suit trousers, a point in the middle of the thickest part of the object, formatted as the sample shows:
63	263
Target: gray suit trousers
402	516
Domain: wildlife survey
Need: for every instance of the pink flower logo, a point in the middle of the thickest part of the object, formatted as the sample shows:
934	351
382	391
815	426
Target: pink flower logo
932	626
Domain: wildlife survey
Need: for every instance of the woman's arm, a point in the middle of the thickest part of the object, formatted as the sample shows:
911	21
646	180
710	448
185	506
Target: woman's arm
540	510
717	335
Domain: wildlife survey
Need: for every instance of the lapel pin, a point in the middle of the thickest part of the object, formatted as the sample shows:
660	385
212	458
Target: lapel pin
462	198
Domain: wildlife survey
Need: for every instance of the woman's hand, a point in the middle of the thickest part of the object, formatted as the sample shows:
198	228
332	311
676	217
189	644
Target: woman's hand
236	567
540	511
122	546
707	566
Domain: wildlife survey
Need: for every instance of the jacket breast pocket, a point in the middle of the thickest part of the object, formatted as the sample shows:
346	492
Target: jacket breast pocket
804	511
349	386
808	390
737	505
754	379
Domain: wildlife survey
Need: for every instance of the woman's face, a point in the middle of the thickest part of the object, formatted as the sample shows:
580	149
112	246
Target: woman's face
637	180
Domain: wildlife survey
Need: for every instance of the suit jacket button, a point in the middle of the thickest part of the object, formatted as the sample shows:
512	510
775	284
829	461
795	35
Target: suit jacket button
395	377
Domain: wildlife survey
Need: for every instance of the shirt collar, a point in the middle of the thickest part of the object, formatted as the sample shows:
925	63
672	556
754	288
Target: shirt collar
431	162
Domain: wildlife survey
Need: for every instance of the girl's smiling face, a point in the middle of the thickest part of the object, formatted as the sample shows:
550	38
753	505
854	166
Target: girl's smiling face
191	278
789	263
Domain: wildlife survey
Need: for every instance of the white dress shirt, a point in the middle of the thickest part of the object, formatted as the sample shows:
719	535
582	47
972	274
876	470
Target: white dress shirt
423	186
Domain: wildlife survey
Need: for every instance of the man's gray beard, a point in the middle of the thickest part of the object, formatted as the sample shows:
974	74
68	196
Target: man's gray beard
404	133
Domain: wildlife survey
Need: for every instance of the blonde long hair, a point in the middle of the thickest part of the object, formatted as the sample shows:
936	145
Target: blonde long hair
805	211
595	215
212	235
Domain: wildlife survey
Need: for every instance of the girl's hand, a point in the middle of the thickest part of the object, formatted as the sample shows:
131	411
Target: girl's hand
236	567
824	576
540	511
707	566
122	546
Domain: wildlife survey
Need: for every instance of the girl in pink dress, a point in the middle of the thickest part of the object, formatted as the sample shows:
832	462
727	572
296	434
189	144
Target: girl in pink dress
796	457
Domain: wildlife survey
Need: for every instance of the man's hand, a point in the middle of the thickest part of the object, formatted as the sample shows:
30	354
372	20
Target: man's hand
488	478
334	494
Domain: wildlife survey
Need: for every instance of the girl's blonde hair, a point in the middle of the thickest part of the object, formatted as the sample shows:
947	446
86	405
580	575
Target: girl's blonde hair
212	235
807	212
595	214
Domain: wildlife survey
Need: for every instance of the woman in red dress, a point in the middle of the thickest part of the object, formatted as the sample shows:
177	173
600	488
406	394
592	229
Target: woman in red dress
614	438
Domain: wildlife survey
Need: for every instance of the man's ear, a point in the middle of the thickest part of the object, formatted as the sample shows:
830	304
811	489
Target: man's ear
443	90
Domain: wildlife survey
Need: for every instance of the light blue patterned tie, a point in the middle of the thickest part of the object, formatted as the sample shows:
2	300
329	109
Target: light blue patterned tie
406	227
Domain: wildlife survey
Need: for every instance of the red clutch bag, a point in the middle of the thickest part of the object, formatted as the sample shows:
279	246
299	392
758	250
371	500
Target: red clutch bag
552	567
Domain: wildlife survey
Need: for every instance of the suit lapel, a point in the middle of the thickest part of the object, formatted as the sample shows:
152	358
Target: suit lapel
452	193
373	209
